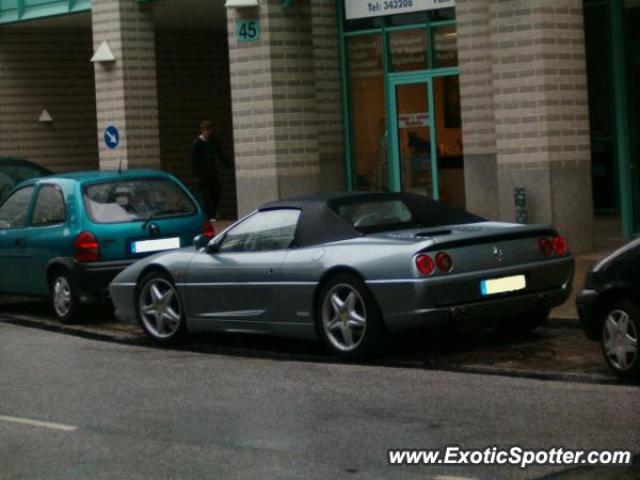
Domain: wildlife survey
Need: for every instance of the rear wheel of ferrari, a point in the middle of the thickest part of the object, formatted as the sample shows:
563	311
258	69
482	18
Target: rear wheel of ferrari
620	331
348	319
160	309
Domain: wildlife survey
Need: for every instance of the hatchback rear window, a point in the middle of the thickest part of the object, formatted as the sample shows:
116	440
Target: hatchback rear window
136	200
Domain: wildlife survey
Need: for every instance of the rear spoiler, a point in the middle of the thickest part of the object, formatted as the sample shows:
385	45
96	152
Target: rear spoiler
481	238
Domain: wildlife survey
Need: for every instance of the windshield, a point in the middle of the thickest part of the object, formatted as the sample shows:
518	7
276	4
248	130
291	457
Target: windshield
124	201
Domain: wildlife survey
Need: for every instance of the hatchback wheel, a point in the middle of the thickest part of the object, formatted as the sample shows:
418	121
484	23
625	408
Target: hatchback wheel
348	319
64	297
160	309
620	338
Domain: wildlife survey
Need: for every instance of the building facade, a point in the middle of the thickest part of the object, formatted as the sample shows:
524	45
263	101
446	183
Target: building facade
515	109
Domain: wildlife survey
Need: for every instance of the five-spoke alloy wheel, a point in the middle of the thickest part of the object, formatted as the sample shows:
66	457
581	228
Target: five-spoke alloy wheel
620	338
160	309
348	318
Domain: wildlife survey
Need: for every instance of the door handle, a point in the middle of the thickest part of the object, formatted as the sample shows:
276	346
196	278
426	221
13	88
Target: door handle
18	241
270	271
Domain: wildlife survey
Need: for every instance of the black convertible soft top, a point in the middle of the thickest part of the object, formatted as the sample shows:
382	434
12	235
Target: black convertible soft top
320	222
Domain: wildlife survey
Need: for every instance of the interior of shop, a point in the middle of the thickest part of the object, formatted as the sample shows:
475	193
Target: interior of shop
404	105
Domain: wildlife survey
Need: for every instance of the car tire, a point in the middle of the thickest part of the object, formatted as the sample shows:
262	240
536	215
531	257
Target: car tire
348	320
160	309
525	325
64	296
619	339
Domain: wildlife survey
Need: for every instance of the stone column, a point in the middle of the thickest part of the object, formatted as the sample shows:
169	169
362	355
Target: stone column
126	90
328	93
274	105
525	111
478	114
542	115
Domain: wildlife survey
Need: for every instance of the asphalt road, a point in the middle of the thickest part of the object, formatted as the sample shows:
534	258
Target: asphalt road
137	412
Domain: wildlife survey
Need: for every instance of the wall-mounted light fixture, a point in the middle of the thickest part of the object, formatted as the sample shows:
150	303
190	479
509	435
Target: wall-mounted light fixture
241	3
45	117
103	54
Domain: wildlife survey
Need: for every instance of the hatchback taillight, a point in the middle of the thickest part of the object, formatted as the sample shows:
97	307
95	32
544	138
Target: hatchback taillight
86	248
425	265
207	229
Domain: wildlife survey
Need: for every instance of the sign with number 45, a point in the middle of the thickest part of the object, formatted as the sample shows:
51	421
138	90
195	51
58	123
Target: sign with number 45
247	30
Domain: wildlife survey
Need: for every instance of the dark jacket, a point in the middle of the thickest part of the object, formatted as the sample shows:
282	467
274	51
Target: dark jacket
204	159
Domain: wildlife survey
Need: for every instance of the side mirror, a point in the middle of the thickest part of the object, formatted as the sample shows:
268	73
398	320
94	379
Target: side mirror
201	241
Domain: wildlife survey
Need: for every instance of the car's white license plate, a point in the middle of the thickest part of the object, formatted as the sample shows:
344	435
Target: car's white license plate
503	285
146	246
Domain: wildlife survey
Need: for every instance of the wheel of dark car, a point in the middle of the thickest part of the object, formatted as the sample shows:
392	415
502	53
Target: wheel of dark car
620	338
348	319
160	309
64	296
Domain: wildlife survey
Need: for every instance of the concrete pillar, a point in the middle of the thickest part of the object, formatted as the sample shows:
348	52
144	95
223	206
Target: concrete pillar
328	93
525	112
542	114
478	113
274	105
126	90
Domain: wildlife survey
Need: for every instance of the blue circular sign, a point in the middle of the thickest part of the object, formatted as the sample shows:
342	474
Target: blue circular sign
111	137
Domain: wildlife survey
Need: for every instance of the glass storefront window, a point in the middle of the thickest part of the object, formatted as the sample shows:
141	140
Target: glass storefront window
405	126
448	127
369	138
363	24
414	138
407	19
445	47
443	14
408	49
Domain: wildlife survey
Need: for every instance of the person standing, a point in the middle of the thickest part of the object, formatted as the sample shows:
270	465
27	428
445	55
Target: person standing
205	153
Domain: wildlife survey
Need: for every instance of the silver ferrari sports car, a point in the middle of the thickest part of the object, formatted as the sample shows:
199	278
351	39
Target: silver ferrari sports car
349	269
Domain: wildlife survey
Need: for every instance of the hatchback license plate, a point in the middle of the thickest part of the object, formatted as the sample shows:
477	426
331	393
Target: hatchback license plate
503	285
146	246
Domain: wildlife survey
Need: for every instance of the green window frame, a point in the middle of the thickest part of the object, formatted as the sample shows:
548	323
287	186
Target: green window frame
428	74
22	10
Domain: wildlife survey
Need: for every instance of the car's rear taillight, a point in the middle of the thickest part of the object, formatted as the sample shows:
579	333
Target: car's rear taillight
425	265
207	229
546	247
559	246
86	247
444	262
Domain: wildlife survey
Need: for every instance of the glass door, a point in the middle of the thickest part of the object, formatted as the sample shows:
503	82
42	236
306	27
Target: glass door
413	152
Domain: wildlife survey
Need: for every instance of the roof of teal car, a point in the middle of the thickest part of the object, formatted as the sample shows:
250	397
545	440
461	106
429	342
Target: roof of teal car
97	175
90	176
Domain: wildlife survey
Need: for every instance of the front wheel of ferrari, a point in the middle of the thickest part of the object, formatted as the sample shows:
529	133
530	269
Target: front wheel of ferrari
160	309
348	319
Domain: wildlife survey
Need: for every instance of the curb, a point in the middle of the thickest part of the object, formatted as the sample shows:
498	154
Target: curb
433	365
74	330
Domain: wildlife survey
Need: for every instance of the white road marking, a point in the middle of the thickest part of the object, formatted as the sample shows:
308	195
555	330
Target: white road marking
37	423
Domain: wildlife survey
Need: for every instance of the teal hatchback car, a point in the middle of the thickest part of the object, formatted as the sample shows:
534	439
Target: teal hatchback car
67	236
